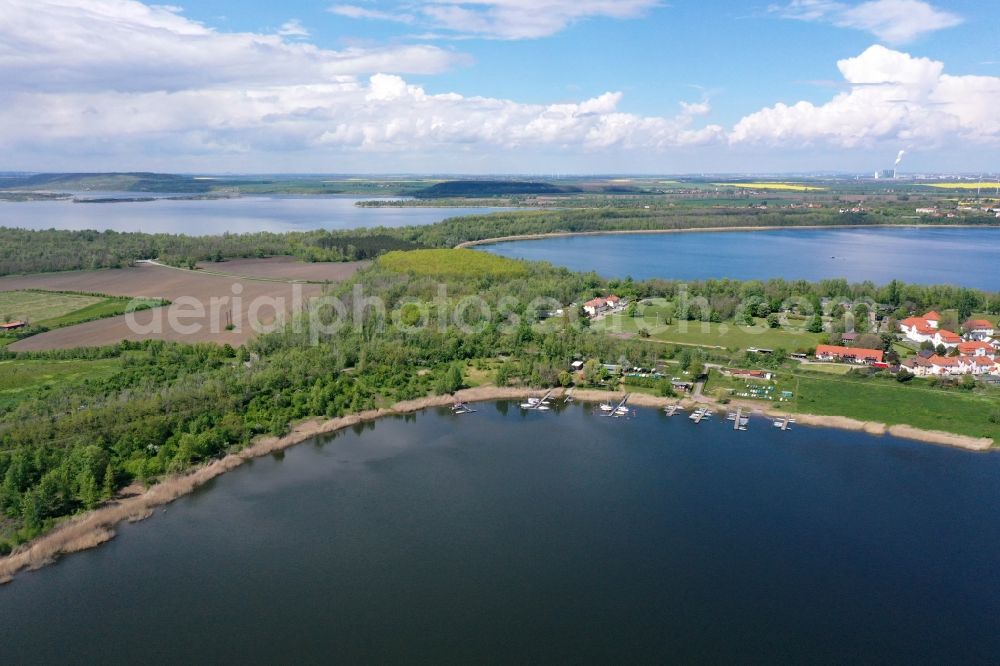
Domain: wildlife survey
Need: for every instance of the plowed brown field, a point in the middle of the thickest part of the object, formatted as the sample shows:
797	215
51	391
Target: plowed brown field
187	290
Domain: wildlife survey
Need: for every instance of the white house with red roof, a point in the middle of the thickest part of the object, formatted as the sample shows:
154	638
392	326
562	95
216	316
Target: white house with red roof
977	348
951	365
979	329
927	329
858	355
595	306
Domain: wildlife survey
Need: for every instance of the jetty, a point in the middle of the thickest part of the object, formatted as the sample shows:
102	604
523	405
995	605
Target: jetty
784	423
537	404
740	422
620	409
670	410
462	408
699	414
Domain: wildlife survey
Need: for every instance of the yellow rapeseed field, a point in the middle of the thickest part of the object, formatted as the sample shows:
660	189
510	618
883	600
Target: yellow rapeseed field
965	185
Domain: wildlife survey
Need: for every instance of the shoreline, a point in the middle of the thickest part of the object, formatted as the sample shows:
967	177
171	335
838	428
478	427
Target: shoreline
95	527
689	230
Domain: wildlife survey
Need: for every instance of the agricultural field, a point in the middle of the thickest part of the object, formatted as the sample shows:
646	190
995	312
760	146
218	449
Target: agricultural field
284	269
40	307
777	187
452	263
264	300
964	185
22	379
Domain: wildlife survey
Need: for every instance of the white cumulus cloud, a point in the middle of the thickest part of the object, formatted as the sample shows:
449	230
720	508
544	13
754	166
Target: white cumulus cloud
892	21
891	96
128	45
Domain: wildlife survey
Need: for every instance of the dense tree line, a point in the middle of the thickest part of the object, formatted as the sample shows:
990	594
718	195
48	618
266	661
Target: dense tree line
27	251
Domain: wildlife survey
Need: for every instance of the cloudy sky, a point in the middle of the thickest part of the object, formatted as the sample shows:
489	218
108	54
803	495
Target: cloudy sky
499	86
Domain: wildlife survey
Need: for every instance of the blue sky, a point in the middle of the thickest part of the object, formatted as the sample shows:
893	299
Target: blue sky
528	86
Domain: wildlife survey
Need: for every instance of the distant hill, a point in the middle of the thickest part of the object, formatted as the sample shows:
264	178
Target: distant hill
489	188
112	182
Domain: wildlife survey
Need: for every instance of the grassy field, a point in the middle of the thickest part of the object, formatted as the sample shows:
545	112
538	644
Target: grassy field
452	263
20	379
816	391
40	307
965	413
829	368
708	334
109	307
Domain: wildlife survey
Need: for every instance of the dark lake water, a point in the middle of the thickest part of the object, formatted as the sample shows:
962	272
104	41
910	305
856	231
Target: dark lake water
205	217
561	537
967	257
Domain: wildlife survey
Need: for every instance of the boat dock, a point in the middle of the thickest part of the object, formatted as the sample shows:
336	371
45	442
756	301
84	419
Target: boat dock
740	422
699	414
537	404
783	423
670	410
620	410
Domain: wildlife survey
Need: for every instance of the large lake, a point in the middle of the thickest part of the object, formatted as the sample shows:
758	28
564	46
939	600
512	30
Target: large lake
545	538
968	257
216	216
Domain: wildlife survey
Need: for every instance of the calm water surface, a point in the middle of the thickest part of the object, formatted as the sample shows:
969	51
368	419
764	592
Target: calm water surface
967	257
217	216
568	538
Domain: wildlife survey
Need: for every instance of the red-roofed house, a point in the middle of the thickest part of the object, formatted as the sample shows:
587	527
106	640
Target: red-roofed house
858	355
978	365
977	348
947	338
944	365
925	329
979	329
918	365
932	318
595	305
917	329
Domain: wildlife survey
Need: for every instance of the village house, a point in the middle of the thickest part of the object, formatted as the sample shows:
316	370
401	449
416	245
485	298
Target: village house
950	365
979	329
596	306
858	355
12	325
977	348
927	329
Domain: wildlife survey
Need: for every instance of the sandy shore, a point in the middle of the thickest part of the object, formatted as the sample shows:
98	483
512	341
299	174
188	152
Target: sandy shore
560	234
95	527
